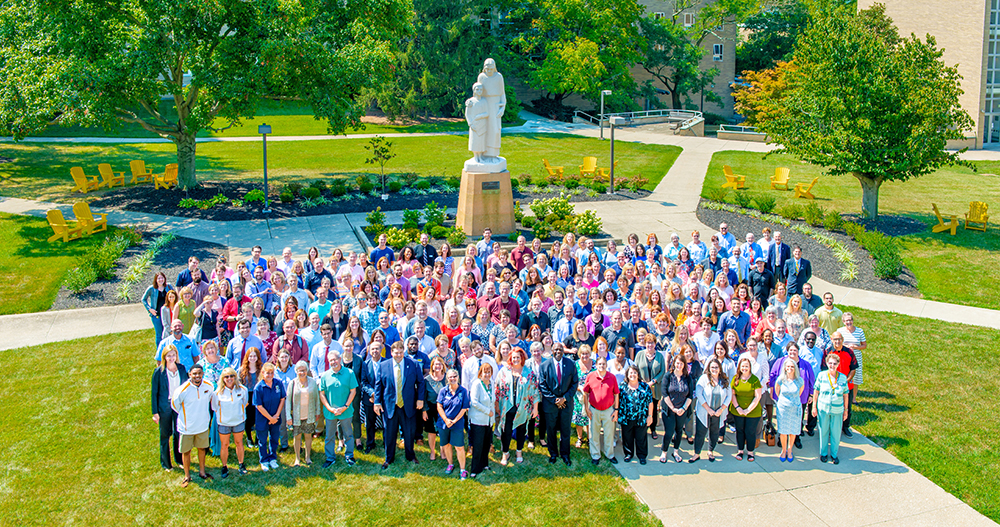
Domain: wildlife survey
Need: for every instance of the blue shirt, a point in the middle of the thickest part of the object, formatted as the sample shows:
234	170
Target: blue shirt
187	350
452	404
251	265
236	348
268	397
741	324
422	360
377	255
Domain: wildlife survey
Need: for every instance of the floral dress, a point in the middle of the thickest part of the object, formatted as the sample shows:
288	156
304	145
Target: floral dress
579	413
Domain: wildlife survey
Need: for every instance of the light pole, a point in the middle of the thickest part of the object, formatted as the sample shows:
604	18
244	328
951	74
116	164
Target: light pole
263	130
616	120
603	93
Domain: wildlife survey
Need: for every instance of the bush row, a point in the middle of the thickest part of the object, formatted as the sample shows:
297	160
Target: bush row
99	262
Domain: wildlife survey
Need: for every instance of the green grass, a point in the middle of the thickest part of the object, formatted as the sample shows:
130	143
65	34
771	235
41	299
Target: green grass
285	118
80	447
929	397
956	269
33	269
42	171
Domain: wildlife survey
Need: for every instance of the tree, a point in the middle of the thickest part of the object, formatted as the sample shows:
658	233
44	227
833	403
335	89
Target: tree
772	35
381	154
860	100
671	52
105	62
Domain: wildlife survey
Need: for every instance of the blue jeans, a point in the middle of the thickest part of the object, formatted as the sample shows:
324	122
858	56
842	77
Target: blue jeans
831	424
267	439
330	442
157	329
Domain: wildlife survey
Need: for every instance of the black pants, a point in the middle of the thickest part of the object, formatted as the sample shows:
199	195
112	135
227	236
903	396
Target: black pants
673	428
168	427
811	421
558	419
656	415
850	403
539	423
700	431
356	420
635	441
480	437
746	432
370	426
394	423
251	420
508	431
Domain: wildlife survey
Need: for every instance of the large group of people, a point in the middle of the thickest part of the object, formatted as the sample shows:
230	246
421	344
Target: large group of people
566	340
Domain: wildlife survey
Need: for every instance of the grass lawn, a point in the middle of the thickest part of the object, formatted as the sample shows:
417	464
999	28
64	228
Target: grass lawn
285	118
42	171
939	261
33	269
80	443
929	397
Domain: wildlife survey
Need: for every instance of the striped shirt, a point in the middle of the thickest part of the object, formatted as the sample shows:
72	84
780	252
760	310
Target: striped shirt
851	340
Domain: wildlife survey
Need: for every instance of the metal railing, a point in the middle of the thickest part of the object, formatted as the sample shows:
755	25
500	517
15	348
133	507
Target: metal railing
736	129
686	117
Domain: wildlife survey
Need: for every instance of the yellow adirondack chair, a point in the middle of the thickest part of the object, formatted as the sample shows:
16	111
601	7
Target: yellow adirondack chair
139	172
589	166
978	214
110	178
604	174
82	182
941	225
802	191
556	172
61	228
85	218
780	178
733	181
167	179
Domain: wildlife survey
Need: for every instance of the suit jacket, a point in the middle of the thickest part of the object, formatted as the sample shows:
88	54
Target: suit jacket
425	255
385	387
160	389
369	372
550	387
797	280
782	252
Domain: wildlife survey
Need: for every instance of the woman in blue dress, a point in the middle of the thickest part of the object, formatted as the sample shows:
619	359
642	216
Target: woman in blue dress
788	391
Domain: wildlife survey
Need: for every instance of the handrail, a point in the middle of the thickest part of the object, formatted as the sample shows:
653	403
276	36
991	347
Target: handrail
737	129
685	116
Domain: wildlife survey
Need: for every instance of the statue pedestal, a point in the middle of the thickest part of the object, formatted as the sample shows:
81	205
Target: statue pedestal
485	200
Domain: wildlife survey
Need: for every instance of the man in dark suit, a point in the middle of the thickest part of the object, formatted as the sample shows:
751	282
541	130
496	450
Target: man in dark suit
558	384
777	255
425	252
761	281
369	374
399	395
798	271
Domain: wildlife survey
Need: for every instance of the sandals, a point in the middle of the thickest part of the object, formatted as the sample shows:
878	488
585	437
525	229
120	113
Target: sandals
738	456
185	482
694	459
663	457
520	459
750	457
677	457
579	443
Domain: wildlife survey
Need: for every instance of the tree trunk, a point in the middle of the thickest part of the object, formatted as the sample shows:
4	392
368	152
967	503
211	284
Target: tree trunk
186	177
869	195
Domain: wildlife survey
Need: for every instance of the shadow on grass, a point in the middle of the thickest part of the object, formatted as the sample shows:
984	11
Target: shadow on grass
870	406
35	233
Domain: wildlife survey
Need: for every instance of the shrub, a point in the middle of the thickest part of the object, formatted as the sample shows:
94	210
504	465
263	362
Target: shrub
636	183
518	211
716	194
294	188
514	184
884	249
132	235
365	185
832	221
434	213
395	186
311	193
439	232
188	203
286	197
813	214
525	179
398	238
338	188
552	218
529	221
571	183
742	199
79	278
598	187
543	183
561	207
319	183
888	268
254	195
540	207
789	211
513	236
423	184
375	222
410	178
853	229
453	182
542	230
588	223
456	237
430	226
765	203
411	216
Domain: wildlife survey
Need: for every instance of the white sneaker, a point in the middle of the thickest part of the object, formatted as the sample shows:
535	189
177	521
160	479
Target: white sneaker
274	463
264	467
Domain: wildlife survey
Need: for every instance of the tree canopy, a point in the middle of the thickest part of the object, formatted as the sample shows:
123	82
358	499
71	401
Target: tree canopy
773	32
104	62
858	99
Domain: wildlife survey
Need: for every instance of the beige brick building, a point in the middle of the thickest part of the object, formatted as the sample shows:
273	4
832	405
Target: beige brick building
969	33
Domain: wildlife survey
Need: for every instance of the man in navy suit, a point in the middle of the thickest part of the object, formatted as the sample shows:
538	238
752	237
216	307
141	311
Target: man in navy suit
798	271
558	384
777	255
369	373
399	395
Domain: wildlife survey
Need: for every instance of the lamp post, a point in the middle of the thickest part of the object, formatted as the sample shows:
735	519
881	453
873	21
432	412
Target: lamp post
603	93
263	130
616	120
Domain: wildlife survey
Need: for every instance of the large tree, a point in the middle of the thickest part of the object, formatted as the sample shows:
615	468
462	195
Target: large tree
105	62
858	99
771	34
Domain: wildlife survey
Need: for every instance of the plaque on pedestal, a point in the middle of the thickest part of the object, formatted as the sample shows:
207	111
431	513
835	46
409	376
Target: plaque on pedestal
485	200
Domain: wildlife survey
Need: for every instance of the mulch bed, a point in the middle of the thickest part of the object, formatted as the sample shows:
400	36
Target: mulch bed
145	199
824	264
171	260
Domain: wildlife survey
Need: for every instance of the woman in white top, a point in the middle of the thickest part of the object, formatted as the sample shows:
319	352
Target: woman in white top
619	365
302	410
481	418
712	397
233	400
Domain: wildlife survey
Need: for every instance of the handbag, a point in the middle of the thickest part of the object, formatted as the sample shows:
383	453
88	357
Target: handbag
769	435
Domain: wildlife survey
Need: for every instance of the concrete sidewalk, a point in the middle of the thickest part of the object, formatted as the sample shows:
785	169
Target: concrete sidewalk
34	329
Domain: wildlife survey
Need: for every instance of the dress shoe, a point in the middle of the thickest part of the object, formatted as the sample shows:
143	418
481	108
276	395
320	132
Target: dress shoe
810	433
385	465
327	464
225	472
567	460
552	460
822	459
628	459
836	461
798	442
642	461
595	462
415	461
614	460
847	433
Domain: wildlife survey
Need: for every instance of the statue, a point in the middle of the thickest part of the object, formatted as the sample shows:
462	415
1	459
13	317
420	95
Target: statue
484	133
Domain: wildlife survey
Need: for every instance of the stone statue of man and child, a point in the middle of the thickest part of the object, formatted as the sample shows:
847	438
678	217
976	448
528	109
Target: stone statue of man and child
483	112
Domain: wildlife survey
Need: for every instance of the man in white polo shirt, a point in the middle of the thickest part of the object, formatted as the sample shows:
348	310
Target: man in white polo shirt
192	402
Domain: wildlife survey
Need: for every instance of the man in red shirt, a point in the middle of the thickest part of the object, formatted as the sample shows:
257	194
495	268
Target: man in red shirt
848	366
602	392
231	311
517	254
504	302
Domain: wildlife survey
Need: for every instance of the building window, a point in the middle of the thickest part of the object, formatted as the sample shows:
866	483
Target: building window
688	19
717	52
658	15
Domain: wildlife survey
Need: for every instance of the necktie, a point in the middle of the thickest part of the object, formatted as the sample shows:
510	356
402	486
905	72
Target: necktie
739	271
326	357
559	372
399	385
244	352
796	267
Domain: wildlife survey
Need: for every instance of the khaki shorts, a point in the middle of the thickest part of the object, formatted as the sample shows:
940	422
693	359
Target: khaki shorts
189	442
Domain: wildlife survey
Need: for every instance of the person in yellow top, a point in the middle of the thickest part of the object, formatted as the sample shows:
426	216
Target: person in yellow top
830	318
